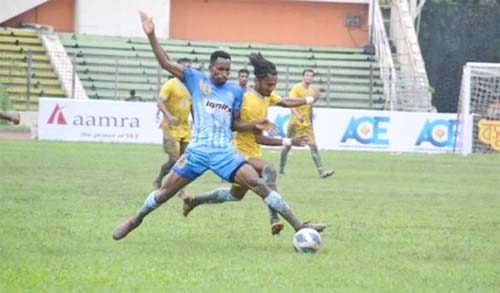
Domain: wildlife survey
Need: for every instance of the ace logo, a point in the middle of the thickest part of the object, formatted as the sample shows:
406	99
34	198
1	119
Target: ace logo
440	133
367	130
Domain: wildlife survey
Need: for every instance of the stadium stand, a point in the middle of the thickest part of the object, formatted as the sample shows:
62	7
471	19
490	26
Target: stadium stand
26	80
110	66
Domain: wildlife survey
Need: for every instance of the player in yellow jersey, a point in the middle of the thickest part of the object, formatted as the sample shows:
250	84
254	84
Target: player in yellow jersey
249	127
175	104
301	124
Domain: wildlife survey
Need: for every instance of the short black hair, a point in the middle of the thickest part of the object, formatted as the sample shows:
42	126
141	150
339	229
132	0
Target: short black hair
132	92
219	54
308	70
243	70
184	60
261	66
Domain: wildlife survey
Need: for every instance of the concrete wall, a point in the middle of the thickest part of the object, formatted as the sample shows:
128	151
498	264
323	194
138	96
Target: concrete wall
120	17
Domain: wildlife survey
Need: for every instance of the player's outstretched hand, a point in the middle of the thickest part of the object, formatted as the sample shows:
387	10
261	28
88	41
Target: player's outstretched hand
173	120
299	141
147	23
16	118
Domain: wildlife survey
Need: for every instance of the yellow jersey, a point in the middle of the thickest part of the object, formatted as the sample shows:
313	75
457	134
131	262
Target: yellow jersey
299	91
177	100
253	107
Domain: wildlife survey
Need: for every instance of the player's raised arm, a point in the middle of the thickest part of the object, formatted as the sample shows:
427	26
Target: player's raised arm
162	57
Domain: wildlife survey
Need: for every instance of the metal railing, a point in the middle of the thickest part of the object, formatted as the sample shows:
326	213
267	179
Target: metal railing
412	84
384	57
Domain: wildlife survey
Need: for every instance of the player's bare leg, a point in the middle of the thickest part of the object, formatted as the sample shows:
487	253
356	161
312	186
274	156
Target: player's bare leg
323	173
173	184
164	169
247	176
283	159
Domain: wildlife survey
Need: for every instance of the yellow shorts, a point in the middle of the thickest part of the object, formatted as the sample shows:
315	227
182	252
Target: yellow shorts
173	136
295	130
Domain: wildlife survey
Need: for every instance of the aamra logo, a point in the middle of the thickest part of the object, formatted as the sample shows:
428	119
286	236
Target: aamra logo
57	116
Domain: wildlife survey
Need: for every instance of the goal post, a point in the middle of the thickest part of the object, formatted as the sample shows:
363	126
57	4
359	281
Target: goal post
478	112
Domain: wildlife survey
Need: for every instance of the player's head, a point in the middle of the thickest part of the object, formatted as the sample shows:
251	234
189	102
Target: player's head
186	62
220	66
307	76
243	75
132	93
266	75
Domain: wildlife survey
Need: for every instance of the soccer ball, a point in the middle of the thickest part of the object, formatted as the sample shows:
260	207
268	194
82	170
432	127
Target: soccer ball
306	240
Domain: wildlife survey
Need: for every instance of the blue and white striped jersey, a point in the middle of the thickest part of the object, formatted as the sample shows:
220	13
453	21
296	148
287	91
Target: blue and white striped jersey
212	107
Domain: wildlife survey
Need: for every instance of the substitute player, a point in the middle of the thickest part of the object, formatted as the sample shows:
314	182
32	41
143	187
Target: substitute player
301	124
175	104
249	136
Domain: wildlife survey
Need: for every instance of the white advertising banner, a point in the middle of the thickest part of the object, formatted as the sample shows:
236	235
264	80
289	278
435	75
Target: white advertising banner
100	121
363	130
335	129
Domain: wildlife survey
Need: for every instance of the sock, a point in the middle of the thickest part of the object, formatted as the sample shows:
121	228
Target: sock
317	160
218	195
165	168
148	206
273	215
283	158
276	202
269	175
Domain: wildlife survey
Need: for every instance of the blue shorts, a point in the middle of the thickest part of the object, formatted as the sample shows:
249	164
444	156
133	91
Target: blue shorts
223	162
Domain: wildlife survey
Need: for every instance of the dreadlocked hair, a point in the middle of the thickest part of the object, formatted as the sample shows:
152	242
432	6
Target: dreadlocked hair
261	66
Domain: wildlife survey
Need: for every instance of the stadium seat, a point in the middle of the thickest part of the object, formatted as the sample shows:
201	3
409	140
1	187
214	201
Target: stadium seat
15	48
110	66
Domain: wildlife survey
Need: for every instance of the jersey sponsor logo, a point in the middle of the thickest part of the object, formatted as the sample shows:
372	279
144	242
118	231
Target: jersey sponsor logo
439	133
205	88
367	130
57	116
216	106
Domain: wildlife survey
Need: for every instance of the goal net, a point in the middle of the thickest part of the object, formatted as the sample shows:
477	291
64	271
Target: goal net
478	125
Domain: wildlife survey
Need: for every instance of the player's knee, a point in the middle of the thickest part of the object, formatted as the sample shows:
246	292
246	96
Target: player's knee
237	192
173	157
269	174
261	187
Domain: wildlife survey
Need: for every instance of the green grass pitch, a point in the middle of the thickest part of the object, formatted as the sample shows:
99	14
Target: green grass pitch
396	223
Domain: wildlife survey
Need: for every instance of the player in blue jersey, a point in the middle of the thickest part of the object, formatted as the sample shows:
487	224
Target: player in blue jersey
214	102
